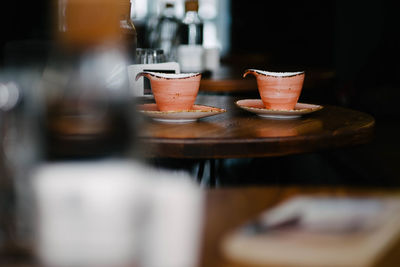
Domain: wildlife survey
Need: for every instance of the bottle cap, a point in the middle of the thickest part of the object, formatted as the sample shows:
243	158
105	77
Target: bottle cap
191	5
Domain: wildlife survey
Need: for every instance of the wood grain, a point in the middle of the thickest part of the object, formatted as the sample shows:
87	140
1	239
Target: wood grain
229	208
239	134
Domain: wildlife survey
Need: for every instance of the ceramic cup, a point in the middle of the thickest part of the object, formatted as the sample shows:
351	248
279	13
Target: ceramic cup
173	92
278	90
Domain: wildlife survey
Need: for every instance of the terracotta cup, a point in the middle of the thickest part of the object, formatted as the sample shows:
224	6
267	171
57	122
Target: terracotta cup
173	92
278	90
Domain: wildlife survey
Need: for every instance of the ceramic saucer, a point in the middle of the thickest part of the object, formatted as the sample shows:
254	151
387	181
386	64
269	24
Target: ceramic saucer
184	116
256	106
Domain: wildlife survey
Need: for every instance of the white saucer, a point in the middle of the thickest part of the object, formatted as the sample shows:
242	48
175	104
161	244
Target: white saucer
184	116
256	106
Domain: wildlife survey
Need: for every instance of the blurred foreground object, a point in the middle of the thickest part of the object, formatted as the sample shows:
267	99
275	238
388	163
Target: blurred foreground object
78	107
103	211
128	29
88	213
85	85
323	230
19	145
116	213
68	135
87	23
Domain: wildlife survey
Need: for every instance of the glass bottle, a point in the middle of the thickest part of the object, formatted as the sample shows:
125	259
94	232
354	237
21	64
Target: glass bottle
190	48
163	31
128	29
85	85
191	31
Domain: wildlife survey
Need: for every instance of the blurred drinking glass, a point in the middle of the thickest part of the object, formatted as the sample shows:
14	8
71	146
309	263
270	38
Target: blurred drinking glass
78	107
20	145
149	56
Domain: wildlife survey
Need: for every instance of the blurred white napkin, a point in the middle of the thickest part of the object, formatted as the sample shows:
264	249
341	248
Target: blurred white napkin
326	214
116	213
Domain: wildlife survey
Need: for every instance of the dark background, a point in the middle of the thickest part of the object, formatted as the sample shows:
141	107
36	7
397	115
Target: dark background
357	40
297	34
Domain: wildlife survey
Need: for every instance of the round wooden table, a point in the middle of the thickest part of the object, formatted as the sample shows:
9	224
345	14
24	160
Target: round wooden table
240	134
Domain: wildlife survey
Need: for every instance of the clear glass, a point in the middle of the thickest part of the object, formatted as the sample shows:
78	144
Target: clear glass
149	56
86	104
20	145
77	108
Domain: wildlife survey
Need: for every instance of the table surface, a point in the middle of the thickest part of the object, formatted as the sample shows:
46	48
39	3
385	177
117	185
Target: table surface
228	208
239	134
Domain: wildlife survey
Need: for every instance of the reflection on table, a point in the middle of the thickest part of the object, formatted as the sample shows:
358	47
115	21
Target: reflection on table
240	134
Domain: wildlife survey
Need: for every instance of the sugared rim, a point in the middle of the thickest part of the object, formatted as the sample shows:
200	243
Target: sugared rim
277	74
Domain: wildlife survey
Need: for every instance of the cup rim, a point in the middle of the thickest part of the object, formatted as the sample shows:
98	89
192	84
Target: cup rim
277	74
172	75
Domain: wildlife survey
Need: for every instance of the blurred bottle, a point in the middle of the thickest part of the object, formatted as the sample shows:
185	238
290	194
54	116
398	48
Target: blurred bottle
121	10
191	31
190	34
20	149
85	85
163	30
128	29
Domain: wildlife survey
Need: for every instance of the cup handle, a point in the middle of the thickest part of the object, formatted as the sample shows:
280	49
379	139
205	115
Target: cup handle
249	71
140	74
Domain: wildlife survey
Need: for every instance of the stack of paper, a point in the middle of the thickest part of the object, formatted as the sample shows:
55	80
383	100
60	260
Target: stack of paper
319	231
